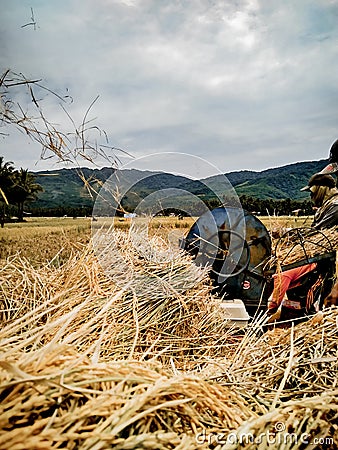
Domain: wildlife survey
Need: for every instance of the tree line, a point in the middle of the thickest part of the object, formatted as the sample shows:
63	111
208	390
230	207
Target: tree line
271	207
253	205
17	187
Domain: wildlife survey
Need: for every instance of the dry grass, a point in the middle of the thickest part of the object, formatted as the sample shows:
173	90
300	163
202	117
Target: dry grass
42	240
280	223
123	346
149	298
283	365
119	404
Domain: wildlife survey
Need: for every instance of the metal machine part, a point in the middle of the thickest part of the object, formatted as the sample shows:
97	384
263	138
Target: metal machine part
236	245
304	242
305	245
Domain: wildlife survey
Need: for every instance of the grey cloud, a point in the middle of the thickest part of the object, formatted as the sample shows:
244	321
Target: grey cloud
249	84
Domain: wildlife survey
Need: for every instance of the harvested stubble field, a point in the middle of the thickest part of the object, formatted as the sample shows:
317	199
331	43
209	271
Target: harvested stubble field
120	344
42	240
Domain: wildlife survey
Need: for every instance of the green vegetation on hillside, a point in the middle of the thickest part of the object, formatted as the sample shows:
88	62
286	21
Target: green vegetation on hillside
274	190
73	192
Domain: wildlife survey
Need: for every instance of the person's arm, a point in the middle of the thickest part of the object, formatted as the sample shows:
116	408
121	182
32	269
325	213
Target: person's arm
282	283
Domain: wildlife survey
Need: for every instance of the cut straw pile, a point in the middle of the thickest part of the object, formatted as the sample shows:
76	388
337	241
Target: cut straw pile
286	364
125	347
75	402
148	301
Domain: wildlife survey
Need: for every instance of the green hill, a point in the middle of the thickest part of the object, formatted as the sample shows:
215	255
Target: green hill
67	188
277	183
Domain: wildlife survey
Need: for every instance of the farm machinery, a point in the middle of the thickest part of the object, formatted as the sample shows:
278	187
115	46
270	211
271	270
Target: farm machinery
237	247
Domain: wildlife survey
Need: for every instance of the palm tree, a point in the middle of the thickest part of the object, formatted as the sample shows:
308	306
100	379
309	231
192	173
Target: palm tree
6	172
24	189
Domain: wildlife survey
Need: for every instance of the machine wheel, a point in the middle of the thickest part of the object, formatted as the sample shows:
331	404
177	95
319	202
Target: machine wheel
217	261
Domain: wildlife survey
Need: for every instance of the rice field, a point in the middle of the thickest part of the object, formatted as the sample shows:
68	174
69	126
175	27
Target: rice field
42	239
116	341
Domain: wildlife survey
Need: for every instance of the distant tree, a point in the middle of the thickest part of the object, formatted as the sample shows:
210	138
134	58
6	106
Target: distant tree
6	173
24	189
212	203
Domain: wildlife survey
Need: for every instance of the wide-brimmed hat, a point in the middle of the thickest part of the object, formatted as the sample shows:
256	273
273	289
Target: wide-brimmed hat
319	179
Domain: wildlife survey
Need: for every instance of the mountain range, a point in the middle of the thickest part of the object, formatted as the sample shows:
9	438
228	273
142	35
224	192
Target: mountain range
69	187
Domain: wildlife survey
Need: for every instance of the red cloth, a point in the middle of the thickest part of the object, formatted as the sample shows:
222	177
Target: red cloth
287	280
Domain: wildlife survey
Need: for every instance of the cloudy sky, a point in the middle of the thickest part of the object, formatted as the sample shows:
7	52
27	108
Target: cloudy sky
245	84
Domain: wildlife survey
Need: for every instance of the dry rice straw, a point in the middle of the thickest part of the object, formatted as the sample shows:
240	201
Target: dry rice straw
143	358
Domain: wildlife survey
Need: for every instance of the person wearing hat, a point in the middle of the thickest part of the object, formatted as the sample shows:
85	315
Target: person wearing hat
332	167
324	195
294	290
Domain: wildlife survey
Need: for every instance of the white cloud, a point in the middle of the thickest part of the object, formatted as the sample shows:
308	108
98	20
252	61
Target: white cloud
209	78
